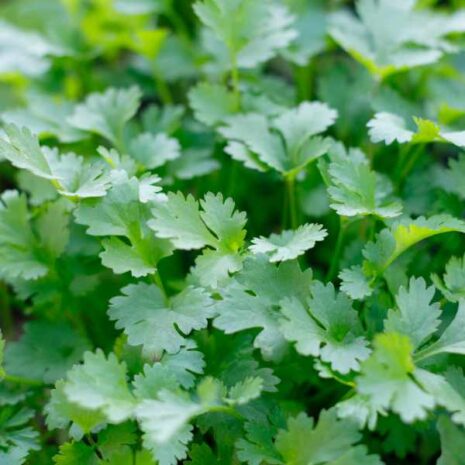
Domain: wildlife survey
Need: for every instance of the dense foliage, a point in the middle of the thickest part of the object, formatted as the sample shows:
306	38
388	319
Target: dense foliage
231	232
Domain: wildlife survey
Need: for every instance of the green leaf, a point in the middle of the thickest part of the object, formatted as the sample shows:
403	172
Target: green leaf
251	301
100	384
387	127
201	454
216	225
158	325
354	283
452	284
289	244
62	413
107	113
330	441
403	234
18	56
327	327
154	151
287	143
23	151
45	116
357	190
121	213
388	379
211	103
245	391
17	439
452	439
19	251
413	37
33	357
252	32
415	316
75	453
452	340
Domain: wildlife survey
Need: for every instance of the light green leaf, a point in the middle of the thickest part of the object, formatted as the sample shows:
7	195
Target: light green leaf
153	151
413	37
415	316
327	327
289	244
387	127
211	103
107	113
388	379
354	283
357	190
158	325
252	32
23	151
251	299
121	213
100	384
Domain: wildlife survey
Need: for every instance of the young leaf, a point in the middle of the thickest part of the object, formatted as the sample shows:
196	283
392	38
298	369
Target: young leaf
388	379
289	244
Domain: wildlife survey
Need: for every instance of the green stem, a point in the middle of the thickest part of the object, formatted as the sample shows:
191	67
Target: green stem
22	380
411	161
159	283
235	81
304	78
343	223
226	409
177	21
6	317
292	201
163	89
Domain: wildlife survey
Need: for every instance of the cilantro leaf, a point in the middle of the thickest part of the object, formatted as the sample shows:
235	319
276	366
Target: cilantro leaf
153	151
412	38
120	213
329	441
100	384
451	438
357	190
107	113
22	149
387	127
158	325
289	244
255	31
211	103
287	143
452	284
388	379
327	327
32	357
415	315
17	439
